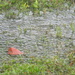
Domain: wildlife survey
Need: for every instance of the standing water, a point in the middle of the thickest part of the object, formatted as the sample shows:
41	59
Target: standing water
47	35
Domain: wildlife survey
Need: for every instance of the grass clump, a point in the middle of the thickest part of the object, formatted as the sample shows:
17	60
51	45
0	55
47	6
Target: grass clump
11	15
38	66
72	26
58	32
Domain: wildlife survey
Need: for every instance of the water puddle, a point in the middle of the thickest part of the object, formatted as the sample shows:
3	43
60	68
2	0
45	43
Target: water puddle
47	35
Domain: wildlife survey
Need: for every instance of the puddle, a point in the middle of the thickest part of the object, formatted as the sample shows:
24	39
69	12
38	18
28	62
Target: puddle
38	36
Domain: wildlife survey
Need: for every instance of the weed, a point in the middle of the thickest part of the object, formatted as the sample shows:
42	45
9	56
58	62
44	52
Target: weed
16	40
71	56
19	29
4	32
44	38
72	26
11	15
25	30
58	32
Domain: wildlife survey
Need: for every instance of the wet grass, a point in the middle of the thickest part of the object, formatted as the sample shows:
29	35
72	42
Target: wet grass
24	30
38	66
72	26
58	32
32	5
11	14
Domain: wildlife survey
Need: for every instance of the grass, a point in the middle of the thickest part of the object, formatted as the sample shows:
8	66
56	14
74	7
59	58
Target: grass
11	14
33	5
58	32
38	66
72	26
19	29
24	30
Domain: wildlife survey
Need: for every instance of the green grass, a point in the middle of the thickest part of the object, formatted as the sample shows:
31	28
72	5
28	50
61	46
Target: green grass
58	32
34	5
72	26
31	5
37	66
